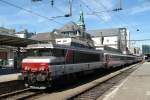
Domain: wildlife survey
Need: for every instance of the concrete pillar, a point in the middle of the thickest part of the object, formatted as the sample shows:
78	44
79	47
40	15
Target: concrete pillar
17	59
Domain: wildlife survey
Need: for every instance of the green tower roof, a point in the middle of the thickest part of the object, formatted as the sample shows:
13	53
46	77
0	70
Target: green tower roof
81	20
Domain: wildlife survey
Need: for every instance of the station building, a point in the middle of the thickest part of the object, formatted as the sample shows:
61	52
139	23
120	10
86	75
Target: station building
70	30
116	38
6	52
136	50
8	49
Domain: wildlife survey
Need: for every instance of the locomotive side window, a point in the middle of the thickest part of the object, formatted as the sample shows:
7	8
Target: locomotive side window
32	53
83	57
46	52
101	57
58	52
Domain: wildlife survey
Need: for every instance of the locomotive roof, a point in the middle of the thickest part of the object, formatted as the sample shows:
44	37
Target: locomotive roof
119	54
57	46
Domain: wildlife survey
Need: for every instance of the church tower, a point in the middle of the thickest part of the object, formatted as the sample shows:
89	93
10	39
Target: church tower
81	23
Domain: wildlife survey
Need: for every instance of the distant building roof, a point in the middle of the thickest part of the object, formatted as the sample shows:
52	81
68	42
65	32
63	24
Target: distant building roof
11	40
105	32
22	32
5	30
47	36
71	26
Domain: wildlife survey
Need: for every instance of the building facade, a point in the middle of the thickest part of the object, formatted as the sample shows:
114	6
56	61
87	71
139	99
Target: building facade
70	30
116	38
8	53
24	34
136	50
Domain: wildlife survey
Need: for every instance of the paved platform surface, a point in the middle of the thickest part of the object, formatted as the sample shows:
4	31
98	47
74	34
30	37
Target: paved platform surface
134	87
10	77
9	74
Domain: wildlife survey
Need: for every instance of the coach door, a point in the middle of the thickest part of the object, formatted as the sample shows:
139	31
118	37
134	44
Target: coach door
107	61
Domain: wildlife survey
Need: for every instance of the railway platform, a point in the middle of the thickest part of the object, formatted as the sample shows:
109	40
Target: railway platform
10	77
134	87
9	74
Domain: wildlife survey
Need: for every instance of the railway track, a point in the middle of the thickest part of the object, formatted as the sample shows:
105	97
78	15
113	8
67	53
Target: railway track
7	87
95	92
24	94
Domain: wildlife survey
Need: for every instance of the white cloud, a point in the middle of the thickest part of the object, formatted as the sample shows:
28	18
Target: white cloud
145	6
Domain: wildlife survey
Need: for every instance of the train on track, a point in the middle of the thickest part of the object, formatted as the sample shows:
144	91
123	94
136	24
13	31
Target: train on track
48	62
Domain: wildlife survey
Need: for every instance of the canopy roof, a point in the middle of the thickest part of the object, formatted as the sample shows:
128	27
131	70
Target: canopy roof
11	40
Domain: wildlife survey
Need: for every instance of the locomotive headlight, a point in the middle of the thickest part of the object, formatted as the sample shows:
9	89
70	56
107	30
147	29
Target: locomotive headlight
26	68
42	68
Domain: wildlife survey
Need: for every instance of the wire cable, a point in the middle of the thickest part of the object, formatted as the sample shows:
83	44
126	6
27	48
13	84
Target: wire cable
119	17
93	11
31	12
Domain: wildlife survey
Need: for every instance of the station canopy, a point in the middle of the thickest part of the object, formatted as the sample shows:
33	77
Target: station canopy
11	40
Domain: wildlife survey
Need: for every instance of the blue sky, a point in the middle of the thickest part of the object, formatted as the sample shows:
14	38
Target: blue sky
135	15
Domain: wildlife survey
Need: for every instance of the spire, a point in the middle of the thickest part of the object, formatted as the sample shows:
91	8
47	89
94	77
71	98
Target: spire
81	20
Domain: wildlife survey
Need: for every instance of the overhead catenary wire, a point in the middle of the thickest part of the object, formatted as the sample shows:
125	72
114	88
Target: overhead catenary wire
119	17
106	9
141	40
58	9
68	14
92	11
88	7
30	11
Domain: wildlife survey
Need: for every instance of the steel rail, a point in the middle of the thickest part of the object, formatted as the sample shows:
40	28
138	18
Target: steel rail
95	84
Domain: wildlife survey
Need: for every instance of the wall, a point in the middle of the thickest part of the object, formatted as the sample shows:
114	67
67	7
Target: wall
111	41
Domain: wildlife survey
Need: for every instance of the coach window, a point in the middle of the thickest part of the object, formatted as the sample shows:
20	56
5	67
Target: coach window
32	52
58	52
100	57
